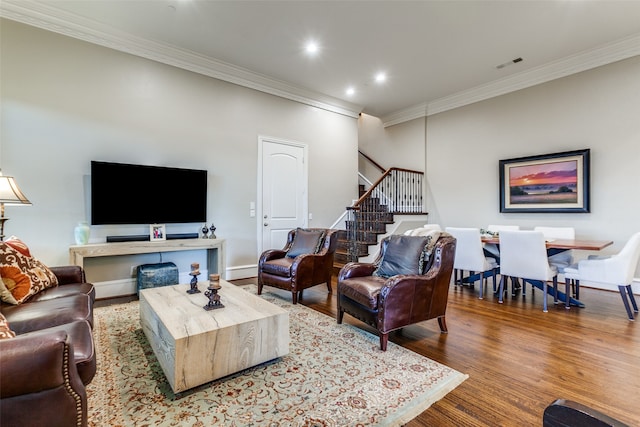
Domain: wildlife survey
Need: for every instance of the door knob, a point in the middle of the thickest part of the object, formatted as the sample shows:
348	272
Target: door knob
266	224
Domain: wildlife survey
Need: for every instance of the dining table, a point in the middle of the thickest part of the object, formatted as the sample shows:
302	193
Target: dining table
554	246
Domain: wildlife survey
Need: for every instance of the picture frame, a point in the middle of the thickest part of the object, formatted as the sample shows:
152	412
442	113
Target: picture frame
157	232
554	183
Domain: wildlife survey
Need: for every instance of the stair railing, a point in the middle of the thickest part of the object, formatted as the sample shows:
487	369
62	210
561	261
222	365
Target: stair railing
400	190
397	191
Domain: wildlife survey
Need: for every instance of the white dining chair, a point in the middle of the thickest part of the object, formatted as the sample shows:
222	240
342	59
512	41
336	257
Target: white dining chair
523	255
470	257
562	259
492	249
615	270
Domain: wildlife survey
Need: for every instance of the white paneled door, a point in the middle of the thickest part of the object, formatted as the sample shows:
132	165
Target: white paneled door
284	190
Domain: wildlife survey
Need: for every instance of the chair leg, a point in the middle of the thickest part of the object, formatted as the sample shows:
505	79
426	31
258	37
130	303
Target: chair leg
260	285
443	325
329	286
340	316
544	296
495	275
576	289
632	298
482	284
567	295
294	297
384	338
501	289
625	301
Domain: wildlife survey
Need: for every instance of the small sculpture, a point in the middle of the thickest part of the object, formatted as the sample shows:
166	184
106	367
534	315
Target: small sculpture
212	293
213	231
205	231
195	272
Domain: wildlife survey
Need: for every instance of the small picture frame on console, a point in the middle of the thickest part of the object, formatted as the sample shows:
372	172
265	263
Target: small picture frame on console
157	232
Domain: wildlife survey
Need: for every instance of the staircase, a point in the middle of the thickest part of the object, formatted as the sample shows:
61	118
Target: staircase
397	192
366	225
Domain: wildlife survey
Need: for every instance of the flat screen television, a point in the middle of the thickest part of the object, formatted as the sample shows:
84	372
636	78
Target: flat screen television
138	194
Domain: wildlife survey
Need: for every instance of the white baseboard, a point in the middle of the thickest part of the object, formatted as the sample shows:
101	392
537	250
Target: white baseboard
128	286
242	272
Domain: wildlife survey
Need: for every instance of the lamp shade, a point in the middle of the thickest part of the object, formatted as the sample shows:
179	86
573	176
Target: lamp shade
10	193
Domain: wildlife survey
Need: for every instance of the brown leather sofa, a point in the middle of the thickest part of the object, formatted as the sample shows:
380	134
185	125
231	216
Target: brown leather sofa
45	368
391	301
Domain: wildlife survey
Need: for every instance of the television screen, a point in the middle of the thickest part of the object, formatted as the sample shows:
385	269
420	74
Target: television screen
138	194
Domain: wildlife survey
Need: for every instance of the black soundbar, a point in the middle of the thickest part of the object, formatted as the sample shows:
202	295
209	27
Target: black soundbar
182	236
130	238
145	237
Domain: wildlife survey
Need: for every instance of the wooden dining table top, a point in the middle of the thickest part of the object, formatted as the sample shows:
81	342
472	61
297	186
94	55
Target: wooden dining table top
583	244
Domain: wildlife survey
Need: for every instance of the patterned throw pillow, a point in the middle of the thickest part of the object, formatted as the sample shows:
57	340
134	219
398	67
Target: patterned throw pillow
5	295
5	331
18	245
23	276
425	259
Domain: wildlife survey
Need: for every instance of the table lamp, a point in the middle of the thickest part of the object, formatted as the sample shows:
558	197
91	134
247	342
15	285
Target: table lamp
10	195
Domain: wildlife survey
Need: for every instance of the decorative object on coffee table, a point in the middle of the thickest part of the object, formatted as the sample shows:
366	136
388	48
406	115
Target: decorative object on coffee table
195	272
212	293
205	231
213	231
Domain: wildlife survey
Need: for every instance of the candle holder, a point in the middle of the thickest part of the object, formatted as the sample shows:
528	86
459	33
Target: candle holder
195	272
212	293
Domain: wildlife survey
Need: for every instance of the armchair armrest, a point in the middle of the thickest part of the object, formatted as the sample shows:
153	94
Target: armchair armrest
356	269
36	362
270	254
69	274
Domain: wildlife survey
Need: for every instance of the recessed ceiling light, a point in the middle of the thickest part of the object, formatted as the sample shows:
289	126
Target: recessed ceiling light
350	91
381	77
311	47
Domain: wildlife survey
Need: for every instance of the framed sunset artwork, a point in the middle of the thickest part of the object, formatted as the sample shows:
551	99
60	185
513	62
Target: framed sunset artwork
557	182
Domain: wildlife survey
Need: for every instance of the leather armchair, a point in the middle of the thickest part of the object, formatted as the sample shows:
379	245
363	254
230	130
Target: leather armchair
391	303
278	269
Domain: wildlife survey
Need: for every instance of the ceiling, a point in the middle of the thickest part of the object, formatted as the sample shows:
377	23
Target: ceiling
437	54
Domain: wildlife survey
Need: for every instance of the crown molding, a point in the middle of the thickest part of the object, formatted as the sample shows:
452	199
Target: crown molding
606	54
49	18
42	16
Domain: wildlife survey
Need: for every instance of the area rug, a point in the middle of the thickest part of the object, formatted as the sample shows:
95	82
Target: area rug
334	375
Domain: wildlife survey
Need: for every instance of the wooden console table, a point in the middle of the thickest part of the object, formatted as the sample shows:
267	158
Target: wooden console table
215	250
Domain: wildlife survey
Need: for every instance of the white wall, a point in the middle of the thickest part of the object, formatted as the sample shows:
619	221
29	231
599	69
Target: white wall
66	102
394	146
597	109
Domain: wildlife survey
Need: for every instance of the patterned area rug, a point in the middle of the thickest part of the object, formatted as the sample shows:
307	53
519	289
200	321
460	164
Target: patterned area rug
334	375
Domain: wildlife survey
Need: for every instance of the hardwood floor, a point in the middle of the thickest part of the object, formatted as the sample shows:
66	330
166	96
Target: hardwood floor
520	359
